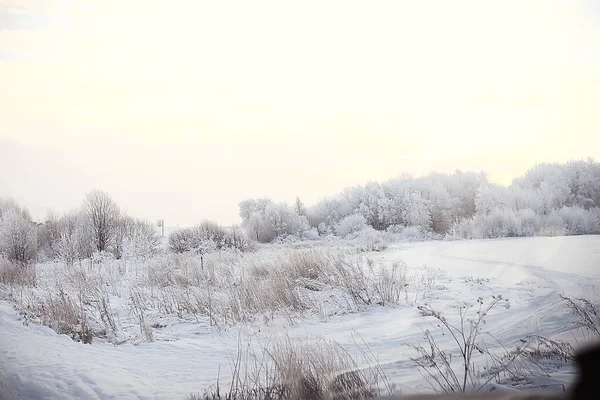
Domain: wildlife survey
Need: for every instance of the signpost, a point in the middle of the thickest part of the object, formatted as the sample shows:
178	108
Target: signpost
161	224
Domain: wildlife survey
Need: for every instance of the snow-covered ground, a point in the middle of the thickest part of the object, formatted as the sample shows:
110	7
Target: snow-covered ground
37	363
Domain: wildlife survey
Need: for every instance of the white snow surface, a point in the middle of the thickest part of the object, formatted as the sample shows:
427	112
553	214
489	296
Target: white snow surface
37	363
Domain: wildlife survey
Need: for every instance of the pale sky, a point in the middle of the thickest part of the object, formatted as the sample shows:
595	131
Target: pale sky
181	109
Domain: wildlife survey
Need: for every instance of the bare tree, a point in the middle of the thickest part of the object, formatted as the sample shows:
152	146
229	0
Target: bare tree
104	215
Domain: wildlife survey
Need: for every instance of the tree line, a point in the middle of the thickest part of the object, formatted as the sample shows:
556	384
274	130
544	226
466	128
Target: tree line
97	226
549	199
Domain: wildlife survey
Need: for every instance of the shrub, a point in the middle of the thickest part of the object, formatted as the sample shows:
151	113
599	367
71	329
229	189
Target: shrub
191	240
501	222
368	239
409	233
579	221
205	238
310	234
552	225
528	222
350	225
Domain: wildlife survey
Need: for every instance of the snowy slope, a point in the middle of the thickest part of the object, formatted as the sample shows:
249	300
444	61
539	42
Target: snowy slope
37	363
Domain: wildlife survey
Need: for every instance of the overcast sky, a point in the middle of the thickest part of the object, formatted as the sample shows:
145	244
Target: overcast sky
181	109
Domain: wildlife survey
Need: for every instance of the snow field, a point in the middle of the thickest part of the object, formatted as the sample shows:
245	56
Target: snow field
178	322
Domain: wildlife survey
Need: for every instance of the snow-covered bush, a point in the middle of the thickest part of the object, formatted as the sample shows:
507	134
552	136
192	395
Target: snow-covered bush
552	225
310	234
399	233
528	222
579	221
235	239
324	229
350	226
102	257
186	240
205	238
286	239
142	242
368	239
18	240
500	222
463	229
67	248
264	220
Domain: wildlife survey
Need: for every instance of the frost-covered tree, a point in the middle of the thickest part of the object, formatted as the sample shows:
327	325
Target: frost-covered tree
18	240
488	197
67	248
283	221
366	202
75	240
441	204
299	207
264	224
141	242
578	221
415	210
251	206
103	214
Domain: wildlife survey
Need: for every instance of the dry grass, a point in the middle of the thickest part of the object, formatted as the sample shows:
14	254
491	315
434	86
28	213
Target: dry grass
77	304
586	314
436	363
232	287
13	274
226	287
62	313
295	369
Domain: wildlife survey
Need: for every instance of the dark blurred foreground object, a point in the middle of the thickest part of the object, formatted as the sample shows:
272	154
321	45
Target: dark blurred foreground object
587	386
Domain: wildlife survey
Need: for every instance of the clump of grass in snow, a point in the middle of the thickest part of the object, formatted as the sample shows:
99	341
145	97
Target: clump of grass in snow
586	314
294	369
62	313
13	274
436	363
78	304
